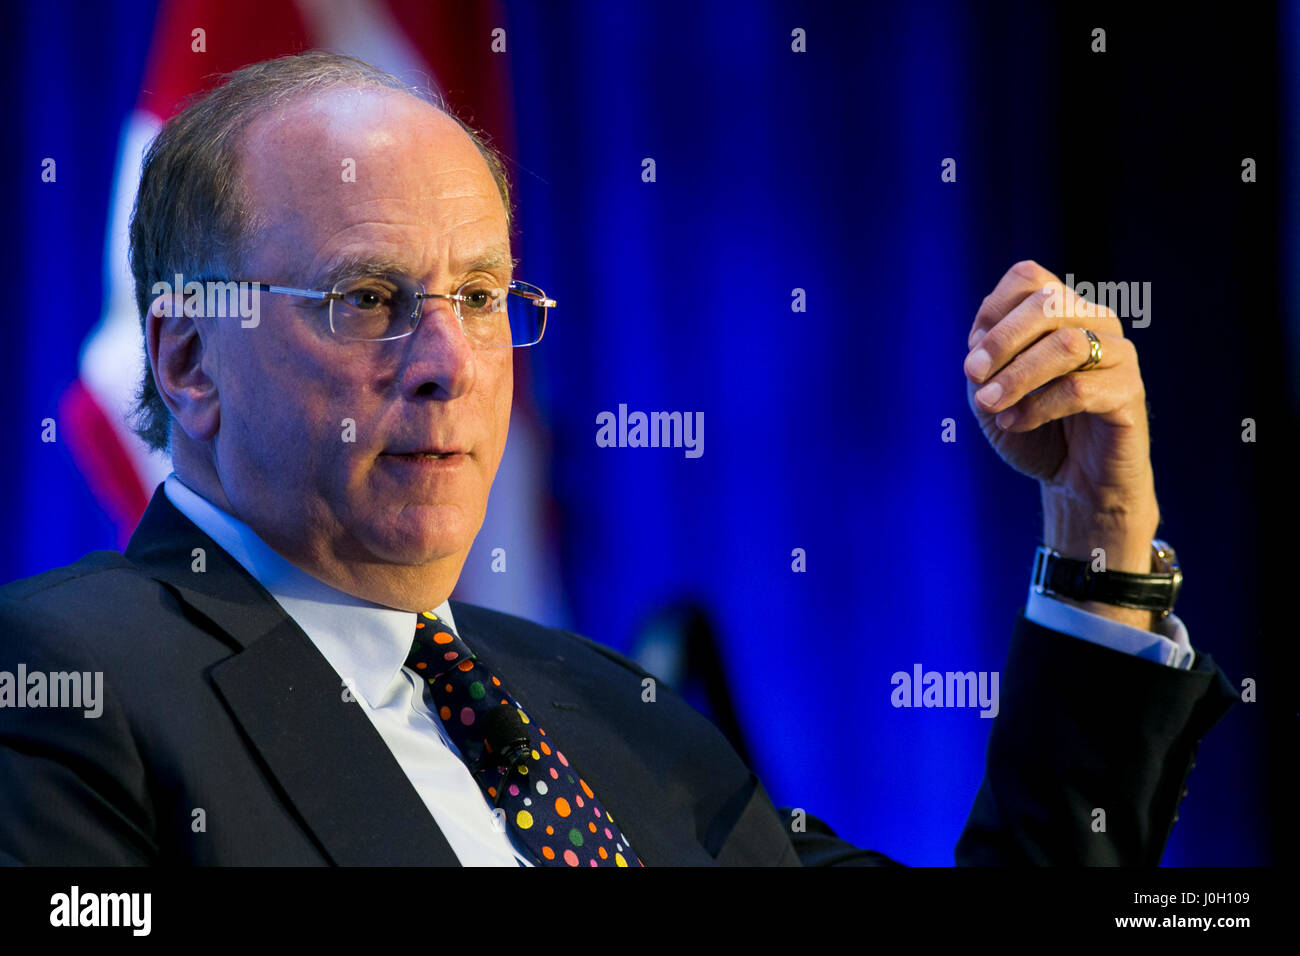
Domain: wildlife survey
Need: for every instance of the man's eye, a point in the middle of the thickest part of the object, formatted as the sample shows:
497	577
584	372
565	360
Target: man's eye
367	299
484	300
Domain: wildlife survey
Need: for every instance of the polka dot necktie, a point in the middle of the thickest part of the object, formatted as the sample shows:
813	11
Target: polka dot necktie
550	809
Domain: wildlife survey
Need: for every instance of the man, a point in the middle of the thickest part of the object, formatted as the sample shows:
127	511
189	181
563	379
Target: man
284	678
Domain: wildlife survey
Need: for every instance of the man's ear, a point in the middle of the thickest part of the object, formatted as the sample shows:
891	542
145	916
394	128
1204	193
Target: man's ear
181	354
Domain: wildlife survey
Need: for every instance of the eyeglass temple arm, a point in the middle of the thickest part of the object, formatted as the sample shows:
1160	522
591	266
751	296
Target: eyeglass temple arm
541	301
305	293
538	300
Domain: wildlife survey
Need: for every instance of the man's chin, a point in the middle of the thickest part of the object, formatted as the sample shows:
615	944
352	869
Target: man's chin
423	536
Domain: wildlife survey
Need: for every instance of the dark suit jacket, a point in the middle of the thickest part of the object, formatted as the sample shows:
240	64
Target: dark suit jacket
215	700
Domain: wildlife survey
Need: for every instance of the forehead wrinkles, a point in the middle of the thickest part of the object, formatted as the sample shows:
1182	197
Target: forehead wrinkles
427	237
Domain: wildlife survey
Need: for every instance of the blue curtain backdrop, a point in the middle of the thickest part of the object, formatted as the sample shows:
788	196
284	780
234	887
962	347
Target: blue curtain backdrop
76	75
778	171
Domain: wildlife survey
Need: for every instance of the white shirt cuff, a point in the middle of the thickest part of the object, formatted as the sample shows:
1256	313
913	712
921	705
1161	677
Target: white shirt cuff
1170	646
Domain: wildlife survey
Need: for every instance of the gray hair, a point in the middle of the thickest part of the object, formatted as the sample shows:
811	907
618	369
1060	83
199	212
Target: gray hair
192	214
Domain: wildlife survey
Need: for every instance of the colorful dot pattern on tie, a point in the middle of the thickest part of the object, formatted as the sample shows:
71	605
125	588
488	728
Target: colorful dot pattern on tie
548	806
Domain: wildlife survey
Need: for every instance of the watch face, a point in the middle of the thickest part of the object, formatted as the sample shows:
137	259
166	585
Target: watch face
1165	559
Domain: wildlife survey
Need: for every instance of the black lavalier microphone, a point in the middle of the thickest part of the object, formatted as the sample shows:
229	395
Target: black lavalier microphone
506	740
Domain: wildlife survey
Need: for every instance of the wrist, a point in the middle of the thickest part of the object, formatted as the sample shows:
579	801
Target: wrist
1114	538
1133	617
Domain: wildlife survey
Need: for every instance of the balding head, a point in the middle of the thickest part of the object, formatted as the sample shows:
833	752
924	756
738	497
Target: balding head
367	156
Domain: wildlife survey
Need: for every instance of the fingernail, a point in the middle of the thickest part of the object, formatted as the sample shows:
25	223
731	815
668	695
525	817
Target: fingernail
975	337
1006	419
989	394
978	364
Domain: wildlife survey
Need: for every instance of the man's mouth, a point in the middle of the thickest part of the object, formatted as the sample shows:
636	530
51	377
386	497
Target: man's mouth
429	456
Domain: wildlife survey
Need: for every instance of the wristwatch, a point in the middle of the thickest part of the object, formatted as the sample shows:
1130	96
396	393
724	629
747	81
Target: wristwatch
1067	577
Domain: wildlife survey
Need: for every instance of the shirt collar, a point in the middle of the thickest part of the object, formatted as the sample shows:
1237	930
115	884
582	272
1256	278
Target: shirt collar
365	643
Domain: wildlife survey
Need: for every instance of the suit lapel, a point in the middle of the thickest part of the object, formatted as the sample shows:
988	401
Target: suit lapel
329	761
555	692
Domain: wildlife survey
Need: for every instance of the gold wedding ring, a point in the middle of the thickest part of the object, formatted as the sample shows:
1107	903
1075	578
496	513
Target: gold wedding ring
1094	352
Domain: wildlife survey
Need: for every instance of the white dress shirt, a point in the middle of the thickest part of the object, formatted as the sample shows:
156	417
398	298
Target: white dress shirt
1171	646
367	644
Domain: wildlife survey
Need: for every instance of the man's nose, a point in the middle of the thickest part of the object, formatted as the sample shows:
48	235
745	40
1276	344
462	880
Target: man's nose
439	360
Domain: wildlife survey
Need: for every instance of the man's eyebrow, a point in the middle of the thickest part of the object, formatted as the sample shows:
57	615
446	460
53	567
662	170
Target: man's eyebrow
358	265
361	264
493	260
